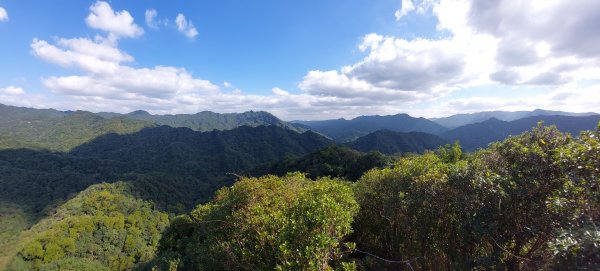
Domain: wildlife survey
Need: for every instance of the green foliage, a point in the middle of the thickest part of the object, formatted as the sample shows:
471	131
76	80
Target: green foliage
13	220
529	202
103	228
281	223
577	244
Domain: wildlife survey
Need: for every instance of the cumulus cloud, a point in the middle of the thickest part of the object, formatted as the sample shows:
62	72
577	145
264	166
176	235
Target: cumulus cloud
406	7
3	15
185	26
91	56
536	37
514	49
490	42
404	70
151	18
106	74
117	24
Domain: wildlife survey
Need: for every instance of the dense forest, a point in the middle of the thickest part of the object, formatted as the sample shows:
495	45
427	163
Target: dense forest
124	196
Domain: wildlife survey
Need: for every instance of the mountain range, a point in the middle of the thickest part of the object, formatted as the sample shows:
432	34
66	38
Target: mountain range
207	121
479	135
458	120
342	130
48	157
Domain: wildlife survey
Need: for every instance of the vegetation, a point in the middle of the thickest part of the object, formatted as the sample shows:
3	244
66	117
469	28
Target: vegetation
58	131
530	202
104	228
269	223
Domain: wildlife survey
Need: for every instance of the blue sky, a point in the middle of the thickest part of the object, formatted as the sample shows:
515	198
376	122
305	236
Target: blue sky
300	59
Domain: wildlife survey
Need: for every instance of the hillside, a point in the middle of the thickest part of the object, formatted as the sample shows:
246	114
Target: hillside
187	164
331	161
479	135
458	120
105	227
390	142
56	130
207	121
175	168
342	130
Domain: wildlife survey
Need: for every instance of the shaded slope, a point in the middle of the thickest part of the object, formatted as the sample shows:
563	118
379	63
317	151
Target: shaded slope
390	142
331	161
342	130
178	167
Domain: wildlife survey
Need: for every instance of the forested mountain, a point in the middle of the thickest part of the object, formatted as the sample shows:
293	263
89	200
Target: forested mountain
56	130
191	163
331	161
458	120
479	135
121	198
390	142
515	206
105	227
342	130
63	130
207	121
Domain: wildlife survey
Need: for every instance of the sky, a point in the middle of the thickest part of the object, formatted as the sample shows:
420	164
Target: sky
301	59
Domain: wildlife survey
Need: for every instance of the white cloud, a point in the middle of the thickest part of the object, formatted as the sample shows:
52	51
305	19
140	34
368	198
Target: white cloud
394	75
489	43
151	18
3	15
117	24
11	91
185	26
279	92
566	98
407	71
406	7
91	56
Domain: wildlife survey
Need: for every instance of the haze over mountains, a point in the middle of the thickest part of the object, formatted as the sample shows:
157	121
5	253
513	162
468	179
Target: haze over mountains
464	119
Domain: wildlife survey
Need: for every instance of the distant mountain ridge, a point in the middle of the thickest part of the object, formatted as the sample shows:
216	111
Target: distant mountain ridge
342	130
206	121
479	135
51	129
57	130
458	120
390	142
